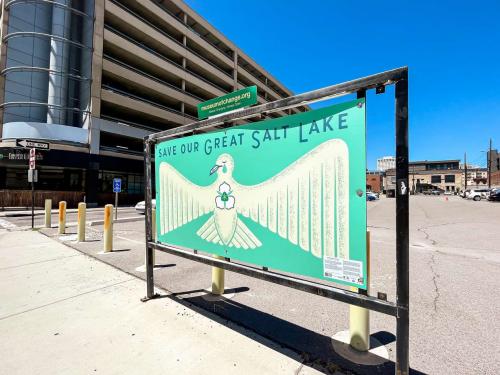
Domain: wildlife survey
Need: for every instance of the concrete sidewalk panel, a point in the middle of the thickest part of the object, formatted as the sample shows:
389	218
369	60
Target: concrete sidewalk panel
76	315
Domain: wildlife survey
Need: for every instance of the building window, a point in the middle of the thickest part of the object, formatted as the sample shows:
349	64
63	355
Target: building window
435	179
449	178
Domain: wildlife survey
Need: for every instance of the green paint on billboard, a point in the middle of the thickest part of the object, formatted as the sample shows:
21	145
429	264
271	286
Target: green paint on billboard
230	102
281	193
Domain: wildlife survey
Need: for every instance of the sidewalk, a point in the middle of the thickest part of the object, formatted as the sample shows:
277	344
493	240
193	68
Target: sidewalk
63	312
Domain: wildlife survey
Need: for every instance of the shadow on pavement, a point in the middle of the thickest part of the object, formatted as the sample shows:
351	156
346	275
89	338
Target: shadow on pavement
315	349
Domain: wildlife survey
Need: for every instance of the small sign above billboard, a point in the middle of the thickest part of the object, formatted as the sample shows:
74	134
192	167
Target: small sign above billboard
230	102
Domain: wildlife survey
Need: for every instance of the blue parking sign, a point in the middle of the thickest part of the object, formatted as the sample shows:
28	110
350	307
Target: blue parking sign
117	185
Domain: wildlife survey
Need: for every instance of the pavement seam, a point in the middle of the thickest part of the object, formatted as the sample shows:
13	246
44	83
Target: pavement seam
41	261
65	299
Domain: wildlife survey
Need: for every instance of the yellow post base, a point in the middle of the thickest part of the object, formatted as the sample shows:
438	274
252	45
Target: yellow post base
218	279
62	217
108	228
359	327
359	318
82	214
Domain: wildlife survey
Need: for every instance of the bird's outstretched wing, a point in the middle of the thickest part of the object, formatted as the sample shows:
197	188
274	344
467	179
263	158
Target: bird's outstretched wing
181	201
242	236
306	203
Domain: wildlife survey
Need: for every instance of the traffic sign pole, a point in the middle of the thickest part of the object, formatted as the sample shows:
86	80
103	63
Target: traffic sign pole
32	167
116	206
117	188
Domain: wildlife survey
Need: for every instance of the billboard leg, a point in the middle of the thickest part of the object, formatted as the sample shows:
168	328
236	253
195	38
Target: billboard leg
402	227
148	221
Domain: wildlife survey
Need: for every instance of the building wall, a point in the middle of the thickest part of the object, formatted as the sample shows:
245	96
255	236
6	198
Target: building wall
447	181
495	179
385	163
374	182
476	178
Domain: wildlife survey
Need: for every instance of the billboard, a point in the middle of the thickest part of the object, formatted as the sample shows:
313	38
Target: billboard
285	193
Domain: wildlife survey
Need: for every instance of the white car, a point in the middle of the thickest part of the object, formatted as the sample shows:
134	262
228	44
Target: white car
141	206
478	194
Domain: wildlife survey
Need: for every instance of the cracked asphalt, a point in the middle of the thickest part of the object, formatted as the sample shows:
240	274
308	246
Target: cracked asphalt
454	283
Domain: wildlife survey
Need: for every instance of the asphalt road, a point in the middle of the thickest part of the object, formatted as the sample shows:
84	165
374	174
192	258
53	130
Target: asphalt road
454	303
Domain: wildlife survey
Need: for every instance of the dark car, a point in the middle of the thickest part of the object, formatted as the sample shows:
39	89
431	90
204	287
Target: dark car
494	196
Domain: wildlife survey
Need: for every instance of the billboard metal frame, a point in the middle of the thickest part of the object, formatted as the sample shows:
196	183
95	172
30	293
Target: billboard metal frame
400	308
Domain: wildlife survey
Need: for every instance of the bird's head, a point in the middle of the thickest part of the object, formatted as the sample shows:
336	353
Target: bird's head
223	166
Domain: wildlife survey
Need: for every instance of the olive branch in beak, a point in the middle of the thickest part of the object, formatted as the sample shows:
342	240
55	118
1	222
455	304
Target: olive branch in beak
214	169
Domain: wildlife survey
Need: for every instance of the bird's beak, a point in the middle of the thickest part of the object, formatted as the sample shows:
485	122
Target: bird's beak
214	169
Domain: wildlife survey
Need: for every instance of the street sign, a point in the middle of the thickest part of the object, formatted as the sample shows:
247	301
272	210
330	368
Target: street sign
32	175
32	161
32	144
230	102
286	193
117	185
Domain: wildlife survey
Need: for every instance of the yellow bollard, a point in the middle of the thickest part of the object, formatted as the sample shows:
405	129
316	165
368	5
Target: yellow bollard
359	318
82	207
108	228
48	213
218	278
62	217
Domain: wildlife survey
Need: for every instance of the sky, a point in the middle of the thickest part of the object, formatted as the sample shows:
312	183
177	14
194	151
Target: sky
452	49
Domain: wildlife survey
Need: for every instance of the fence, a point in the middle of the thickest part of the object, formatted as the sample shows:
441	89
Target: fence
22	198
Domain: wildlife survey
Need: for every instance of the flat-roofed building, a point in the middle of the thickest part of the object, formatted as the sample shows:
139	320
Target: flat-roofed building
386	162
444	175
93	77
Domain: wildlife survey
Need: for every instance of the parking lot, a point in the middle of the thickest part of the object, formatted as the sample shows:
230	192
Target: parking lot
454	268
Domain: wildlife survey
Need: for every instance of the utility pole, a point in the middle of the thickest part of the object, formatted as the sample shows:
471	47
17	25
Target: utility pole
465	166
489	167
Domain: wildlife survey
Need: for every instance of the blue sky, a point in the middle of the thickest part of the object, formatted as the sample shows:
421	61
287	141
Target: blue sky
452	49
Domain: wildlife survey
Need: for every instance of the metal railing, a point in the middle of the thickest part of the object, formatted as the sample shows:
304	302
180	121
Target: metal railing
148	101
162	56
147	75
128	10
194	31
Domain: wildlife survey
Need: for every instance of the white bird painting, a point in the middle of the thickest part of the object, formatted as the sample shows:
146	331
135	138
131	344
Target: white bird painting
307	203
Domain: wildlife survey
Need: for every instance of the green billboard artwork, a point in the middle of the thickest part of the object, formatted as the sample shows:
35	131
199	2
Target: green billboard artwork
229	102
281	193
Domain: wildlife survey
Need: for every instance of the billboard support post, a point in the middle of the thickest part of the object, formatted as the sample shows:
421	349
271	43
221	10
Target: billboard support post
402	226
400	308
148	147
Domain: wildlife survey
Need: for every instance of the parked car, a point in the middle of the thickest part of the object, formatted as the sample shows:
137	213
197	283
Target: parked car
494	195
464	193
448	192
141	206
371	196
436	192
478	194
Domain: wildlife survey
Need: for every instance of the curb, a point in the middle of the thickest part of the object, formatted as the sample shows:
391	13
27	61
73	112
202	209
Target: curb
123	220
39	212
